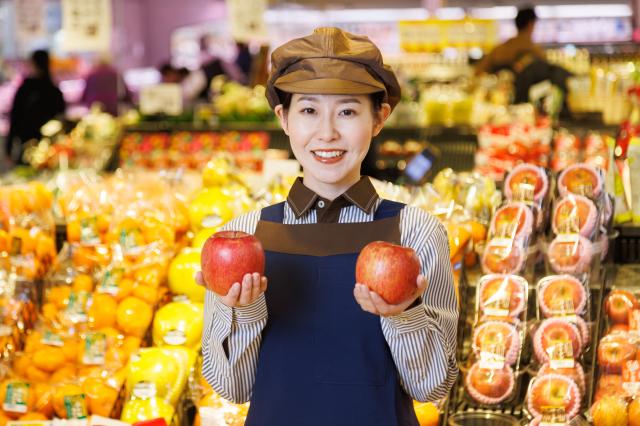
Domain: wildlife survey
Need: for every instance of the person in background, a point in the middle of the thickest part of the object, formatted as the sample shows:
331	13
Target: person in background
105	86
37	101
524	58
168	74
244	61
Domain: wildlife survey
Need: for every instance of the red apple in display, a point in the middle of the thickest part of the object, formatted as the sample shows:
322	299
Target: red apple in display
494	333
227	256
575	214
610	411
555	291
554	390
609	385
489	386
614	350
570	257
500	259
618	329
526	174
581	179
494	287
618	305
514	220
576	373
554	331
389	270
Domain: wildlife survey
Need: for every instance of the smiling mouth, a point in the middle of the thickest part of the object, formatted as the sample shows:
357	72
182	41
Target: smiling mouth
329	156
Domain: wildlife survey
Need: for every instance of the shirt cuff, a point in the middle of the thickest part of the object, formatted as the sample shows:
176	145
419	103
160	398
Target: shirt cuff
248	314
410	320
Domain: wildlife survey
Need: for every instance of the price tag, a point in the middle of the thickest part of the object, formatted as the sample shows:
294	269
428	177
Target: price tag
75	406
561	355
52	339
525	192
144	390
76	309
132	242
492	356
553	416
165	98
89	230
110	283
569	219
564	308
95	349
631	377
15	399
498	304
175	338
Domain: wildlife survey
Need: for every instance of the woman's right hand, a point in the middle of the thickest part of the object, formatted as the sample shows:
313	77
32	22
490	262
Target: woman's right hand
241	294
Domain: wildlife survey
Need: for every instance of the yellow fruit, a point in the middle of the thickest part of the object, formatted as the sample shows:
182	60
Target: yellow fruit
130	345
50	312
427	413
34	374
64	374
100	397
182	275
82	282
44	397
133	316
32	416
138	410
210	208
59	296
610	411
69	392
21	365
49	358
147	294
102	312
202	236
178	324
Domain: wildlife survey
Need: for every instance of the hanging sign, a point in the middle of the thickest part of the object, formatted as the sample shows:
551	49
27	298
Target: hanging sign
86	25
246	19
30	19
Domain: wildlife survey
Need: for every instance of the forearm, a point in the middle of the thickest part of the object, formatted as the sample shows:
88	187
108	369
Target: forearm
230	346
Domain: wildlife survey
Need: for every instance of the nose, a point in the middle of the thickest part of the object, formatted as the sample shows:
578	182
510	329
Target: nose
326	130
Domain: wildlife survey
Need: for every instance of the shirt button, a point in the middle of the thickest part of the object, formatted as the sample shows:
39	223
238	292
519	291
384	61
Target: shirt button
320	204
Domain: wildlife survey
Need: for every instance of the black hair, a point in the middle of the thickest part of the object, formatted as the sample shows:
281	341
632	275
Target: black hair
377	99
40	60
166	68
525	16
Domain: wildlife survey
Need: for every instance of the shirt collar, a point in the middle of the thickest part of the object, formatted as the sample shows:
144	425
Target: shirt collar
361	194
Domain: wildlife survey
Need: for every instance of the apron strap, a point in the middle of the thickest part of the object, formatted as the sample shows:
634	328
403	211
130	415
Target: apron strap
274	213
387	209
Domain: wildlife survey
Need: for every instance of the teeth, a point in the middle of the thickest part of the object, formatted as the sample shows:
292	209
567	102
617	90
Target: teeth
328	154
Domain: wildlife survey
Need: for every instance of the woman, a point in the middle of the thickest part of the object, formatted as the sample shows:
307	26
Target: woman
307	350
37	101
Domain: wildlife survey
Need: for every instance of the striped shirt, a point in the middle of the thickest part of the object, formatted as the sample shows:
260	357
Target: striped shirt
422	339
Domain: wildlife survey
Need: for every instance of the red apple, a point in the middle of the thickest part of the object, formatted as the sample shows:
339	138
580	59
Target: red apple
614	350
576	373
581	179
502	258
554	331
554	292
227	256
609	385
571	257
513	220
388	269
575	214
610	411
554	390
489	386
495	287
618	305
496	333
527	174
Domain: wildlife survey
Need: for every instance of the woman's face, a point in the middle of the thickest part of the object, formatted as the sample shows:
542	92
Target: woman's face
330	136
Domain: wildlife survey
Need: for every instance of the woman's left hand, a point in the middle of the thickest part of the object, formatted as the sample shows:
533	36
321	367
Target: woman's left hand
371	301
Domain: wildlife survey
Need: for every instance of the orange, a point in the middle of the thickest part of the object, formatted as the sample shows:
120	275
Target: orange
33	342
478	231
29	398
49	358
100	397
59	394
150	276
43	197
71	348
44	395
59	296
148	294
45	247
102	223
3	419
102	312
32	416
82	282
427	413
125	288
21	365
74	231
50	312
116	357
64	374
134	316
130	345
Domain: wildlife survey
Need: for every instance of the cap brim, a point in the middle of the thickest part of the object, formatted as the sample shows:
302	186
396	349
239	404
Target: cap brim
330	86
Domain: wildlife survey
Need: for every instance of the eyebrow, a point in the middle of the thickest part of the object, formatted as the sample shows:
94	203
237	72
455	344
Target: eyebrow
340	101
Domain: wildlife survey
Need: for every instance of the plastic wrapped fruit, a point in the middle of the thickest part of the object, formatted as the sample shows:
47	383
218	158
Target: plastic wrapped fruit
499	335
526	182
210	208
502	295
575	214
613	351
513	220
570	255
178	323
576	374
140	409
554	390
182	275
489	386
503	256
555	334
610	411
581	179
561	295
619	304
609	385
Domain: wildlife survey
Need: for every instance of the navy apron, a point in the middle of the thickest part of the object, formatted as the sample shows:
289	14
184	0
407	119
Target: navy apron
323	361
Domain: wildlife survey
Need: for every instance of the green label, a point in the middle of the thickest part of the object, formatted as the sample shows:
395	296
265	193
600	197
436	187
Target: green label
95	349
89	230
52	339
110	283
76	309
130	241
16	397
75	406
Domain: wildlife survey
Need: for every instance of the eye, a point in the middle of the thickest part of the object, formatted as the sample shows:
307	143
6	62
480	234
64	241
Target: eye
348	112
308	110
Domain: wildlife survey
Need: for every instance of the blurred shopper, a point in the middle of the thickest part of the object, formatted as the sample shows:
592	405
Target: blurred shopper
37	101
244	61
169	74
105	86
526	59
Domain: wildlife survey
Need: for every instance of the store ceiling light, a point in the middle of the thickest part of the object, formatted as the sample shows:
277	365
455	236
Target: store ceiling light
497	12
584	11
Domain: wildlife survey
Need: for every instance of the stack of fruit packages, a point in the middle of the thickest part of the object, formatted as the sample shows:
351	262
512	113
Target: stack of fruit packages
27	230
617	389
568	150
501	147
580	222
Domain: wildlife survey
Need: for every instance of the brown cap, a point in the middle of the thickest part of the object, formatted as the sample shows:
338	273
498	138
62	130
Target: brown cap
331	61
